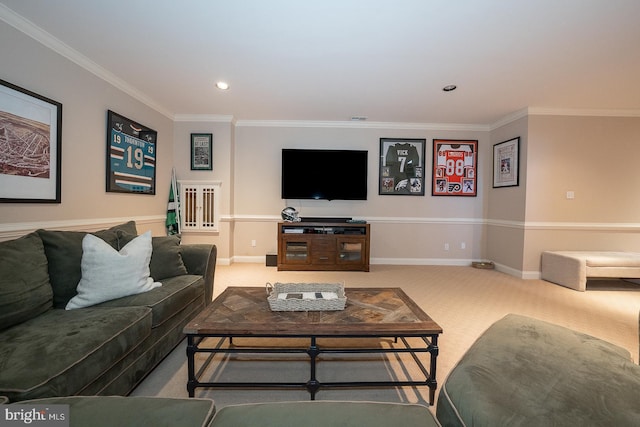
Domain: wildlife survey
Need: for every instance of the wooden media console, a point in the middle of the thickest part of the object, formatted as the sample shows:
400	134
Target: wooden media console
323	246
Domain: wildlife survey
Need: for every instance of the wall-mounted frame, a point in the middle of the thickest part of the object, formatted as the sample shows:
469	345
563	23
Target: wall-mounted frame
401	167
201	151
455	164
506	163
131	156
30	146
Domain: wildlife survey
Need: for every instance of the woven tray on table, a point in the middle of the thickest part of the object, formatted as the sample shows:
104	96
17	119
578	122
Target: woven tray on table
306	296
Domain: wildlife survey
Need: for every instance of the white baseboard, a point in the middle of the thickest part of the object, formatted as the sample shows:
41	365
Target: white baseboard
420	261
380	261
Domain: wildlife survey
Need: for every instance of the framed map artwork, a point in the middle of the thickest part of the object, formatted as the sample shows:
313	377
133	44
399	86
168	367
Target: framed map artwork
30	146
401	167
455	167
131	156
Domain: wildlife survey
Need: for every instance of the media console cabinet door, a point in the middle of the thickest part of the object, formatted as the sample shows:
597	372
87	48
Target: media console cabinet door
323	246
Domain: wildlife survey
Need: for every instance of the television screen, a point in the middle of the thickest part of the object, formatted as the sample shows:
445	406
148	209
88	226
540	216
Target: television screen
324	174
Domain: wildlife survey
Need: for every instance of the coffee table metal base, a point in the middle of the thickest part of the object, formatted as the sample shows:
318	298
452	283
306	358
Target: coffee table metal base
426	344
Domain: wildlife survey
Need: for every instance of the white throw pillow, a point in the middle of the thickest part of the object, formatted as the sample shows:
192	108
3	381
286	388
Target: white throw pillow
108	274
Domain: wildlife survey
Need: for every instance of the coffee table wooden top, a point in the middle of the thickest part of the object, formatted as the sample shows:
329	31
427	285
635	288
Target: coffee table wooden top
244	311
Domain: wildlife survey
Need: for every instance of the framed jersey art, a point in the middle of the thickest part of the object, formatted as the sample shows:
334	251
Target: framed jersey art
131	156
455	164
401	167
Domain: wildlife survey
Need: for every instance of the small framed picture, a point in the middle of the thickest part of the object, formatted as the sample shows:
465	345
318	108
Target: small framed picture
201	151
506	163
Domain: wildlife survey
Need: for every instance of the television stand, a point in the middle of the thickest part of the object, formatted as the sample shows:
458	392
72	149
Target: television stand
323	246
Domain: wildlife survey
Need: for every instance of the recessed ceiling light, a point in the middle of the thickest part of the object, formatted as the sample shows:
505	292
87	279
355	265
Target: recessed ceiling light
449	88
359	118
222	85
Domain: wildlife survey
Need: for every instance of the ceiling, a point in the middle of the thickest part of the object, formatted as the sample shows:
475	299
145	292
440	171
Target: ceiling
331	60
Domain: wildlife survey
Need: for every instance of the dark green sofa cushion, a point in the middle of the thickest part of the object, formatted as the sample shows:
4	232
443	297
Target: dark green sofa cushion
110	411
64	255
25	291
166	257
58	352
324	413
527	372
175	294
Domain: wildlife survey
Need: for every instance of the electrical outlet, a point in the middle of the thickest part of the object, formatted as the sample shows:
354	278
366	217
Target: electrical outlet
253	243
446	246
463	245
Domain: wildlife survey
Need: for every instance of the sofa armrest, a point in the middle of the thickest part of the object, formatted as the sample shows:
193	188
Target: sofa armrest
201	259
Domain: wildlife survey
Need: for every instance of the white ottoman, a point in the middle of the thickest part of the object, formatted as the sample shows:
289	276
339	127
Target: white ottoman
572	268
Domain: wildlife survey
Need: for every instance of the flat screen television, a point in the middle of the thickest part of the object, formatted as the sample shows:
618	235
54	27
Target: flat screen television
324	174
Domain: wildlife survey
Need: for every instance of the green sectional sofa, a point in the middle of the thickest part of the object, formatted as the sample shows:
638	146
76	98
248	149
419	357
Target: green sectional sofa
163	412
118	411
109	346
325	414
527	372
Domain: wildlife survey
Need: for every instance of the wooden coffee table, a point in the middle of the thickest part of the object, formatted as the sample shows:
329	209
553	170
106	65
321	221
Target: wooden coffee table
369	313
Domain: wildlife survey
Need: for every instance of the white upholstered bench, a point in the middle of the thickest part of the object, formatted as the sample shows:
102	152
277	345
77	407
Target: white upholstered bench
572	268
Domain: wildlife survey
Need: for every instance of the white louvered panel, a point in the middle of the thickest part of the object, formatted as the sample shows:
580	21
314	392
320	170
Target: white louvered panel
208	206
190	211
199	205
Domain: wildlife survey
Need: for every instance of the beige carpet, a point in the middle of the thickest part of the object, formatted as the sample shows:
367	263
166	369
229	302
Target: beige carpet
463	300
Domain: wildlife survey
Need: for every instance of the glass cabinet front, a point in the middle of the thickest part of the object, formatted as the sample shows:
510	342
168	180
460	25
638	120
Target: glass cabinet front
296	251
350	251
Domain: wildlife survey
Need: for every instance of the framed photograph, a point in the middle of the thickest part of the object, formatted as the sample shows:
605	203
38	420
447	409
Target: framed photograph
401	167
30	146
506	163
455	164
131	156
201	151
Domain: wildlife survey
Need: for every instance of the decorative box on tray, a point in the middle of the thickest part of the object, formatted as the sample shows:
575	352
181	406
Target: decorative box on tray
306	296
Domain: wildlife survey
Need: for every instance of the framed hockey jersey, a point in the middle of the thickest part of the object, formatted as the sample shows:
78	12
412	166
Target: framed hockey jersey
131	156
455	164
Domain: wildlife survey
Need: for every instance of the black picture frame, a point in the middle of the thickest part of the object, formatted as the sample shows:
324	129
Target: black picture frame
455	167
201	151
506	163
30	172
131	156
401	171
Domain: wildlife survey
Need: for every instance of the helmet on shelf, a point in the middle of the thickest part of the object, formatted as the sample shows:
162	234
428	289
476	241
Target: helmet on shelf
290	214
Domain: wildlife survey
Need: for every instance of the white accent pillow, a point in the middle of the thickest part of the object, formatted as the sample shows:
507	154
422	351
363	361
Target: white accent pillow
108	274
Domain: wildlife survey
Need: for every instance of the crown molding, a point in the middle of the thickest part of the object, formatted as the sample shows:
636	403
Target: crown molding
38	34
208	118
30	29
539	111
509	118
363	125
